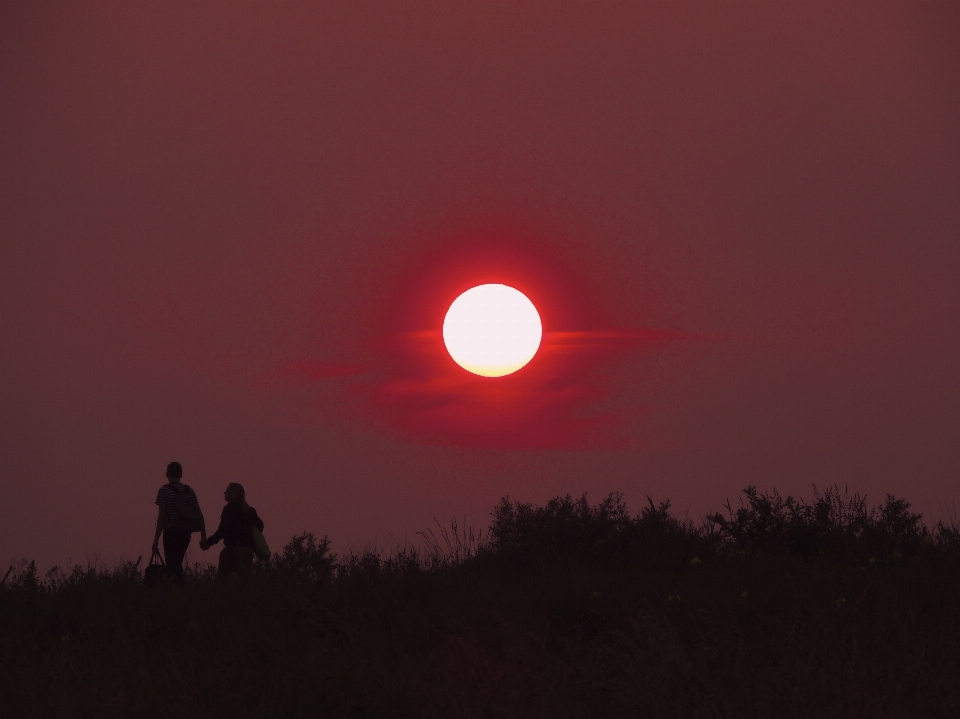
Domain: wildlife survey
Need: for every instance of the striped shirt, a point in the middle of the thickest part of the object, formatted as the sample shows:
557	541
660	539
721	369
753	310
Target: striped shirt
167	497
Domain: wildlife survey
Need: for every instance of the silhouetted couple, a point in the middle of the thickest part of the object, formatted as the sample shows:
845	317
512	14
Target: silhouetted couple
179	517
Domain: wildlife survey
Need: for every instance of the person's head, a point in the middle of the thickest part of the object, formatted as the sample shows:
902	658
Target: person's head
234	493
174	472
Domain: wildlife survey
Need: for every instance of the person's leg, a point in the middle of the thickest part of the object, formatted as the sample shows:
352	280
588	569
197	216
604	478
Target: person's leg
174	547
228	561
245	558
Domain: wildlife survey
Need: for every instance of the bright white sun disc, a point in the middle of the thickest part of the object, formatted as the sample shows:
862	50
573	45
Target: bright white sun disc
492	330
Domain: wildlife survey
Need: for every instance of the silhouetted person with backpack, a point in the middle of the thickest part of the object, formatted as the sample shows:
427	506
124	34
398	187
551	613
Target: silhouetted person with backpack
237	522
178	518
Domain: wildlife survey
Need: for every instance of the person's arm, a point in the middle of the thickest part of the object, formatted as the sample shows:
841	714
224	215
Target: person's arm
203	522
218	535
203	532
161	520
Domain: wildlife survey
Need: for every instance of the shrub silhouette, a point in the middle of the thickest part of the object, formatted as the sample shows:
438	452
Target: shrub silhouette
306	558
836	525
604	534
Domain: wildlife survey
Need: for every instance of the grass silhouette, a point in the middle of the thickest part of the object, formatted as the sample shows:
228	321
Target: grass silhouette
777	607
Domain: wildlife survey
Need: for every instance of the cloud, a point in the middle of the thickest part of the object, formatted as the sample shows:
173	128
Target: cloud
555	401
415	391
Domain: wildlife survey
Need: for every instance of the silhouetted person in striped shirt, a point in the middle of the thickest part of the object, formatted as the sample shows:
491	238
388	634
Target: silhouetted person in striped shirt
178	517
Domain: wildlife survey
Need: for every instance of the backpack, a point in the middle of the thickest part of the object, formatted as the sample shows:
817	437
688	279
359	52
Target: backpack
260	547
186	512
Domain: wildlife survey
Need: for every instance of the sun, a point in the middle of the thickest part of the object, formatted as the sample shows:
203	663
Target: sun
492	330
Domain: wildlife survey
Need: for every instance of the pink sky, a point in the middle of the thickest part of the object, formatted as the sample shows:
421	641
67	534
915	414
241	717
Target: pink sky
229	234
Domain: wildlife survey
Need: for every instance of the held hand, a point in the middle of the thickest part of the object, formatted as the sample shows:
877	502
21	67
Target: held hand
204	545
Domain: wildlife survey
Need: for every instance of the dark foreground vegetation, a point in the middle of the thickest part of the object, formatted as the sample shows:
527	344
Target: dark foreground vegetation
777	608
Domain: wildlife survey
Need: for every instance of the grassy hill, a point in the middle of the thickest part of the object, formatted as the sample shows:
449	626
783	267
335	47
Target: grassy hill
776	608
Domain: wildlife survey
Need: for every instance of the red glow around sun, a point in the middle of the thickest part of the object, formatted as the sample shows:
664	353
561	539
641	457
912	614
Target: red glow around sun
412	388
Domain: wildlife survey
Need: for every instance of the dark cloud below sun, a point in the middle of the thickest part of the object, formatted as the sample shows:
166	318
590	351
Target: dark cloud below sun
556	401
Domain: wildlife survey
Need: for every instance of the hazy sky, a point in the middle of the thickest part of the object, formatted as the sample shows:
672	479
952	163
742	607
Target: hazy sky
228	236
